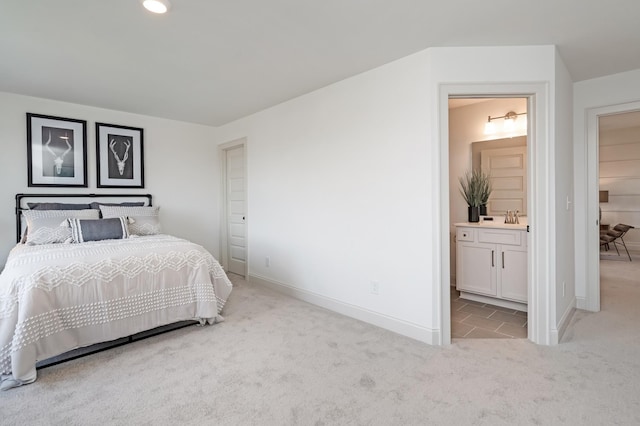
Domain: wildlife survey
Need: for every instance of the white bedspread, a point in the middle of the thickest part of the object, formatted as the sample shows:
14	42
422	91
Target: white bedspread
58	297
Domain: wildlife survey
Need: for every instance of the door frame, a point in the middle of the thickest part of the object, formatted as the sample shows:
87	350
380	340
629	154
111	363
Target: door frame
540	175
592	261
224	224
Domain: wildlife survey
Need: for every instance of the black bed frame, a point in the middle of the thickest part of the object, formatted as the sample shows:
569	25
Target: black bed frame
98	347
20	197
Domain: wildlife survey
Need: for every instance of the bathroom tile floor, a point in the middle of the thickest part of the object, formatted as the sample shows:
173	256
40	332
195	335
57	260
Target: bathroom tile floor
476	320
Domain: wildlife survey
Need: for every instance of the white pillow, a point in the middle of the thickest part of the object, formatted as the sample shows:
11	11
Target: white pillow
50	226
143	220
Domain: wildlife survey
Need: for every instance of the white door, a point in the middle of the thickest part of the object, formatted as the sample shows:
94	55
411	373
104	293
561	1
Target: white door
508	170
236	211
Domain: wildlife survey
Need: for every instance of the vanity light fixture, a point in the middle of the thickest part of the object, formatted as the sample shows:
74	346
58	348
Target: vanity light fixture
509	124
489	127
156	6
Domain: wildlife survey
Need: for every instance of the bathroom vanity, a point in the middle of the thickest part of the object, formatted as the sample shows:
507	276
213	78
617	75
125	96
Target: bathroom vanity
491	263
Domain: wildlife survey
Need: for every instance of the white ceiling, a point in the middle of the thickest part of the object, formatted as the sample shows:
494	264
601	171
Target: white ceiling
213	61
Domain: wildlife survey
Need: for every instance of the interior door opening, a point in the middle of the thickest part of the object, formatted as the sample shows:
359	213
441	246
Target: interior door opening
619	200
618	126
234	212
488	259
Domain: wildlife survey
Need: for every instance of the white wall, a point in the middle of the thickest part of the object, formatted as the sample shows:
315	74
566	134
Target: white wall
339	195
181	167
344	184
617	89
563	225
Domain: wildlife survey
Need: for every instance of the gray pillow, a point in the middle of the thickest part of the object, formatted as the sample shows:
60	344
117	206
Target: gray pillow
59	206
83	230
143	220
50	227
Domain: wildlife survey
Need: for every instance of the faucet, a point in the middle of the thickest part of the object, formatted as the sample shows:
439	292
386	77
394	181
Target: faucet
511	217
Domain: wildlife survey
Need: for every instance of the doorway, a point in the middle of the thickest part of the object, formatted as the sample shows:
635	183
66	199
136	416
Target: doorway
615	120
233	228
489	280
619	198
539	238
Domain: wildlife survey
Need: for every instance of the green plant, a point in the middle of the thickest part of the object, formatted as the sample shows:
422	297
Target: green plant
484	187
475	187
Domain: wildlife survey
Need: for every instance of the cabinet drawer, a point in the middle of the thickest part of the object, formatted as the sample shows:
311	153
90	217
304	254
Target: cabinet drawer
465	234
500	236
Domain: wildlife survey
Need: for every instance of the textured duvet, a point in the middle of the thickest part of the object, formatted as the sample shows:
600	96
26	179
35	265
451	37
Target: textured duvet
58	297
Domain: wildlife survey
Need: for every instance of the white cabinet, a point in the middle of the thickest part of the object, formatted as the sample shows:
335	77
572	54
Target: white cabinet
513	276
476	268
491	265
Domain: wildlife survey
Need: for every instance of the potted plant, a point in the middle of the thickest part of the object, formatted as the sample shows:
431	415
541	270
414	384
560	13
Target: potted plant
475	187
484	188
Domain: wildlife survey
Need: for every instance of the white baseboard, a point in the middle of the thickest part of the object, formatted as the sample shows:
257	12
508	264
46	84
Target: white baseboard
581	303
556	334
405	328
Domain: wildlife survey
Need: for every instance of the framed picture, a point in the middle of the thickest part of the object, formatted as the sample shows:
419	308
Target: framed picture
56	151
119	156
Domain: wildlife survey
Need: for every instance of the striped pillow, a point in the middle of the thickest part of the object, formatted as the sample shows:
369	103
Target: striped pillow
83	230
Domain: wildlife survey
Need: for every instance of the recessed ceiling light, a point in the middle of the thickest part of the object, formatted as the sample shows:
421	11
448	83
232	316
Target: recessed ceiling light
156	6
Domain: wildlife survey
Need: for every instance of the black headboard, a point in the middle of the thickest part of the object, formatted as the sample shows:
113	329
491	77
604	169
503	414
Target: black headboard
20	197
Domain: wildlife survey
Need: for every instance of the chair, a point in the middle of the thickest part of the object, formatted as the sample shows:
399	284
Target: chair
605	240
615	234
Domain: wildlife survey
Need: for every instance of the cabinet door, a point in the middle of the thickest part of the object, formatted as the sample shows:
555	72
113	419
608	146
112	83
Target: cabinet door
513	273
476	268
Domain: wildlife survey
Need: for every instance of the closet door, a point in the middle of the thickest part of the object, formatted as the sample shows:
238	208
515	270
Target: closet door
236	211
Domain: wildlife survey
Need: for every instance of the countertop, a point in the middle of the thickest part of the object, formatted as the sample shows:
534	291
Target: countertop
497	222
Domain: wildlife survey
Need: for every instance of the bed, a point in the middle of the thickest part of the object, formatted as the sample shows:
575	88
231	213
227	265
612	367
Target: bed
55	297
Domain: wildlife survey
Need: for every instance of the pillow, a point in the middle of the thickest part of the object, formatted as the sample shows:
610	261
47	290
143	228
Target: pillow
83	230
59	206
49	226
143	220
96	205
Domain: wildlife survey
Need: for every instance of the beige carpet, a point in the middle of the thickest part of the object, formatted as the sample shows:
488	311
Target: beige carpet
279	361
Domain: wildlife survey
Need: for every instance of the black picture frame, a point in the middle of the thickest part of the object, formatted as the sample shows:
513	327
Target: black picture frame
56	151
119	156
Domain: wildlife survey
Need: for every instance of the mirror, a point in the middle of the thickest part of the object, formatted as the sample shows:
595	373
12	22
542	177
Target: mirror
506	162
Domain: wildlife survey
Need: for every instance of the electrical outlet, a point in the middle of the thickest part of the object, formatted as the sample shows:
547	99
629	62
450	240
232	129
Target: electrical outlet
267	261
375	287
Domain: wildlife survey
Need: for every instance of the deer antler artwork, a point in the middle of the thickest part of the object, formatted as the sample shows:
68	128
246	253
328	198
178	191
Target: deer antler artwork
58	159
120	162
